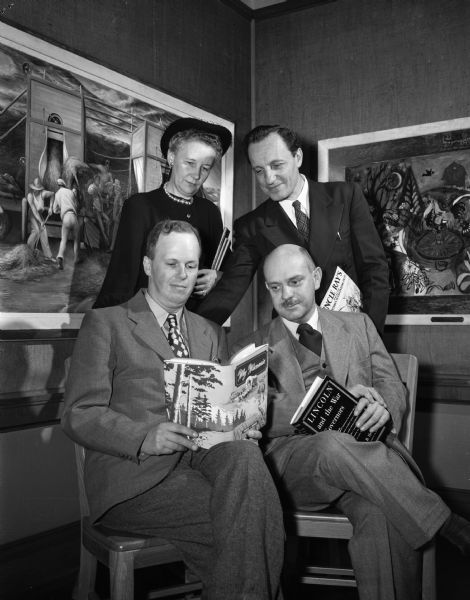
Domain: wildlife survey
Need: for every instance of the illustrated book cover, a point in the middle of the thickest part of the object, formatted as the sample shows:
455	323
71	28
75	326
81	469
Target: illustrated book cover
343	294
220	402
328	405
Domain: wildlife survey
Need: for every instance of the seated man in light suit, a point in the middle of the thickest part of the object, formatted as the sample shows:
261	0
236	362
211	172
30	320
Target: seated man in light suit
144	474
394	515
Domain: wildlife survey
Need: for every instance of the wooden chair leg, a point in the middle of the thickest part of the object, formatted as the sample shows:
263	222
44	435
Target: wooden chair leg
429	572
121	575
85	585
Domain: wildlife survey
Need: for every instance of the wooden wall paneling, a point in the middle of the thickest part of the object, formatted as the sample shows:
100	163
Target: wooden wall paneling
38	482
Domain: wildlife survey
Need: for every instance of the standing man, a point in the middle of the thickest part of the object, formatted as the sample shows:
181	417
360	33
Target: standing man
65	203
331	220
393	514
143	473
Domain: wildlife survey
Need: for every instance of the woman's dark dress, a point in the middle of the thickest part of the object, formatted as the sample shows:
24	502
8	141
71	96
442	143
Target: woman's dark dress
125	274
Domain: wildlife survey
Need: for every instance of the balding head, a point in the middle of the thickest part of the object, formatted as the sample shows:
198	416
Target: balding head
284	253
292	278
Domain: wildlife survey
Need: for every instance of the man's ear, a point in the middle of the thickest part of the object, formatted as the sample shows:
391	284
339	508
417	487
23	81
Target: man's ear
146	263
299	156
317	275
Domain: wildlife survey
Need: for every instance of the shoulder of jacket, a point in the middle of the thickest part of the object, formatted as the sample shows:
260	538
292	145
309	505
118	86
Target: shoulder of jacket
204	322
258	212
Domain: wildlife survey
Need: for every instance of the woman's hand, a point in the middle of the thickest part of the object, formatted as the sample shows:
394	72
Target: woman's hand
371	408
206	279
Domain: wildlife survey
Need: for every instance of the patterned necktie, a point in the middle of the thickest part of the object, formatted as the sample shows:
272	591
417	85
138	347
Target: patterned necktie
310	338
303	222
175	338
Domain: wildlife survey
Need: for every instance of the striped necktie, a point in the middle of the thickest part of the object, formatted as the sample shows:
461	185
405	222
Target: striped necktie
175	338
303	222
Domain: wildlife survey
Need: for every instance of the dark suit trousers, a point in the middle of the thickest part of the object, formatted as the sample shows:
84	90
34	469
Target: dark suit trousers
221	508
392	512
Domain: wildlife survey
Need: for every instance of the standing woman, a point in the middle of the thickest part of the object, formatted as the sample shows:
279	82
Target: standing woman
191	147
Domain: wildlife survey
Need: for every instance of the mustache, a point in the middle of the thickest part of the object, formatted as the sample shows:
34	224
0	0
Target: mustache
289	303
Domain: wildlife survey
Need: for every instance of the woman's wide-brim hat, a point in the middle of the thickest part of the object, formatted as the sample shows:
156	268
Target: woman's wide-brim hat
36	185
190	123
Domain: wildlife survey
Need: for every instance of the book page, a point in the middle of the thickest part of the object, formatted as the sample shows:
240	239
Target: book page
241	354
220	402
343	294
306	399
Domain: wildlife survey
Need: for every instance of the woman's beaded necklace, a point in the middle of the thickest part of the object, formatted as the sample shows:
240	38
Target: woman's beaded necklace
179	199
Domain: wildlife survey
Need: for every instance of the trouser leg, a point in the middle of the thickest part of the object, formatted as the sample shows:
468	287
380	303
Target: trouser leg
385	565
247	521
221	508
317	469
63	240
76	239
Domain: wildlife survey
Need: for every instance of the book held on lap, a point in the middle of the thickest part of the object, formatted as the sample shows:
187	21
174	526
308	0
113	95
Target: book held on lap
220	402
327	405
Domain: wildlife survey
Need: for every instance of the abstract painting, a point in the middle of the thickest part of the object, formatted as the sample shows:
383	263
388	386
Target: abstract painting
418	190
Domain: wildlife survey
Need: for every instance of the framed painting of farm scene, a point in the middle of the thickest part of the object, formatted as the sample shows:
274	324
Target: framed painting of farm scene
69	126
417	183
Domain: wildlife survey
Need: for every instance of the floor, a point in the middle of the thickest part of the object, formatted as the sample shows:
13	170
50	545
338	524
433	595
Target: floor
453	582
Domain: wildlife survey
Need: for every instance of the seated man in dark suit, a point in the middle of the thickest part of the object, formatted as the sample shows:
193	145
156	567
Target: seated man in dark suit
331	220
394	515
144	474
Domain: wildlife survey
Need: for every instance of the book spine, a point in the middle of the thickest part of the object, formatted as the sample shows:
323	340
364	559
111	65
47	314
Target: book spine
221	249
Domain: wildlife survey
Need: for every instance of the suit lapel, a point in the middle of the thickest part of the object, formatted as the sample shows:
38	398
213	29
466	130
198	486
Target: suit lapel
279	229
200	344
146	327
325	217
336	344
282	359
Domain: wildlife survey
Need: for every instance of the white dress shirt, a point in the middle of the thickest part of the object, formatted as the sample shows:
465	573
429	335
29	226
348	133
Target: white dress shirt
313	322
161	315
304	203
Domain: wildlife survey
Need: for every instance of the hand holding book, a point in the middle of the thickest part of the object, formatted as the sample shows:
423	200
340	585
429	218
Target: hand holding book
207	278
371	409
329	406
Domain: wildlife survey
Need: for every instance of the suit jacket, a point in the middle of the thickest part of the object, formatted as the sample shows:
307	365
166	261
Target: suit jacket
352	353
115	394
342	233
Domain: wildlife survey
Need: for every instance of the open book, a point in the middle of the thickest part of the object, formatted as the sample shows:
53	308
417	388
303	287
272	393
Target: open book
220	402
328	405
343	294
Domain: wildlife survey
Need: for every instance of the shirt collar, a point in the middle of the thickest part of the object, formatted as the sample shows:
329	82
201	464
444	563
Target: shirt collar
161	313
302	198
292	326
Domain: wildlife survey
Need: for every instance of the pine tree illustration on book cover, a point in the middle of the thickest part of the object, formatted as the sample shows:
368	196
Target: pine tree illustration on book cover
220	402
